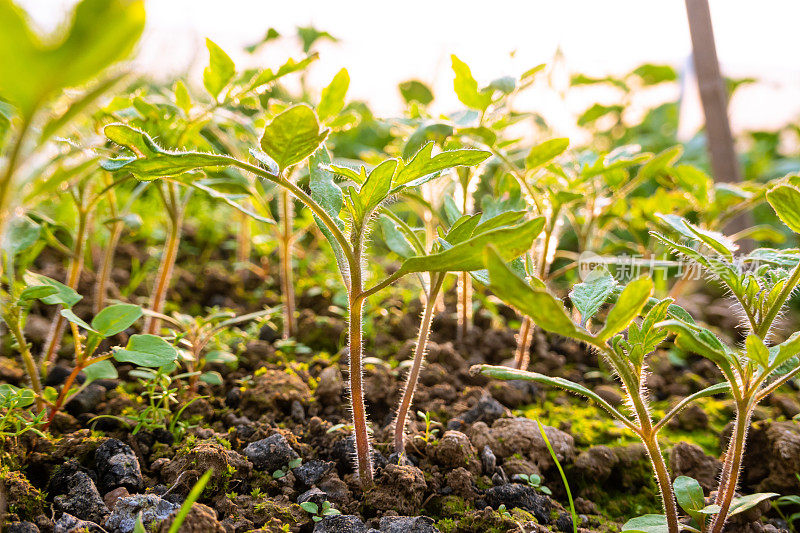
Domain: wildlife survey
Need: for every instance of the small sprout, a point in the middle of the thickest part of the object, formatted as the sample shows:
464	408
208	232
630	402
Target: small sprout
535	481
317	512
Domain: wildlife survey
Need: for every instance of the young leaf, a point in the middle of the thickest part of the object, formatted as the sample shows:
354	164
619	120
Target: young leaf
395	239
545	152
332	99
784	351
690	497
468	255
115	319
629	304
147	350
649	523
22	233
466	87
220	69
100	370
376	188
329	195
292	136
544	309
35	68
152	161
742	504
506	373
75	319
591	294
423	167
182	98
63	295
37	292
756	350
785	200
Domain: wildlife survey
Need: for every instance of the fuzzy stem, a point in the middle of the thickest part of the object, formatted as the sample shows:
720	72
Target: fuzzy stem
522	356
664	484
419	357
157	300
363	455
464	306
744	412
769	318
287	283
73	276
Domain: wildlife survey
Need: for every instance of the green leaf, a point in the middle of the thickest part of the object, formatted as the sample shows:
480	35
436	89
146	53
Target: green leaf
37	292
292	136
376	187
740	505
63	295
649	523
395	239
332	99
100	370
756	350
693	338
509	243
423	167
115	319
466	87
22	233
36	68
785	200
416	91
220	69
152	161
310	507
545	310
629	304
784	351
545	152
75	319
690	496
329	195
592	293
182	98
147	350
508	374
212	378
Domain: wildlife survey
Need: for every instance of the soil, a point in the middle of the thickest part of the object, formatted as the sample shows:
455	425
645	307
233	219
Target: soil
275	434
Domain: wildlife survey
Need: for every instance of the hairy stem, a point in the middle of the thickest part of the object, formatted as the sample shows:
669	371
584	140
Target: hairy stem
522	355
363	451
164	278
743	414
287	283
419	357
464	305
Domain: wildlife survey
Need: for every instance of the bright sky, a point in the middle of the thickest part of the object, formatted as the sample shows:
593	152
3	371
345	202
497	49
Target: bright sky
383	43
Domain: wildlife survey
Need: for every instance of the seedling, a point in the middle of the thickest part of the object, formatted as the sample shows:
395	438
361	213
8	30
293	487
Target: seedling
626	356
294	136
533	480
406	243
194	334
281	472
319	512
758	369
430	432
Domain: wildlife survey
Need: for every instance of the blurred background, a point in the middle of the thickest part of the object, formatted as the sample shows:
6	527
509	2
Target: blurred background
382	45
